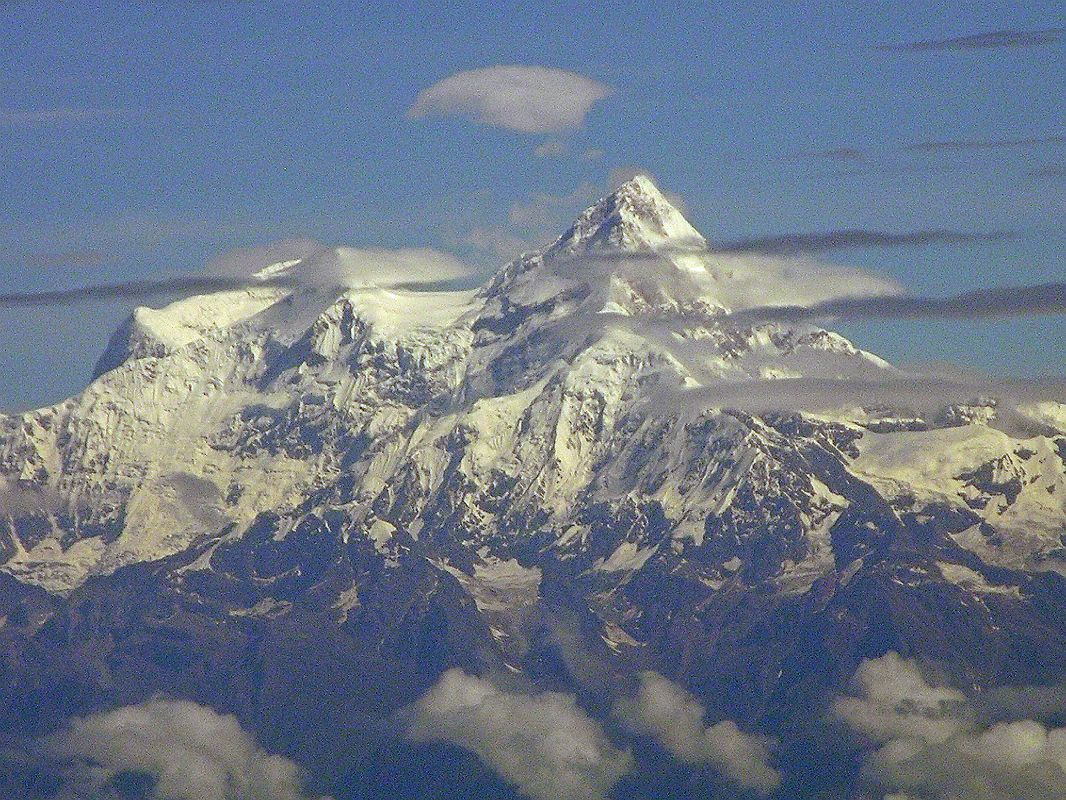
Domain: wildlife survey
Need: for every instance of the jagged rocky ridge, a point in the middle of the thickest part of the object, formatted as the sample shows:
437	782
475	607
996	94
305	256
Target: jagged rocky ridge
303	507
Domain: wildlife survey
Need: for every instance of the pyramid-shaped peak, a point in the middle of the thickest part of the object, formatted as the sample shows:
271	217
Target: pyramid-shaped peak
640	185
633	248
635	216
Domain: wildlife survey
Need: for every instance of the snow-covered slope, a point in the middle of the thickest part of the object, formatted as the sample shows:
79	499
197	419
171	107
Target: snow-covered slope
583	375
306	504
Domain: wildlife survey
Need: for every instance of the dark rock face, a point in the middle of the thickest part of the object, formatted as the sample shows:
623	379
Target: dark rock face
304	628
316	625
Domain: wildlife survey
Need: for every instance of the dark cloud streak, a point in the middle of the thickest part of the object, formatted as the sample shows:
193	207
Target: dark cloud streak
850	154
980	41
812	243
967	145
72	258
1047	298
1054	172
136	290
329	277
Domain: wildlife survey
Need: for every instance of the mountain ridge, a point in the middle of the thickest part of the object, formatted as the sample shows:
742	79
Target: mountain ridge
639	312
549	476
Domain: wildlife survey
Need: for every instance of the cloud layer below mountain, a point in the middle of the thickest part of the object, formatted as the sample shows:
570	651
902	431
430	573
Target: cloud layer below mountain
544	744
666	712
191	752
931	742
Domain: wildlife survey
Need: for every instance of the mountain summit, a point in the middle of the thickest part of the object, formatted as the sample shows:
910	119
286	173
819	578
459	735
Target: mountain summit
319	502
216	407
636	216
634	253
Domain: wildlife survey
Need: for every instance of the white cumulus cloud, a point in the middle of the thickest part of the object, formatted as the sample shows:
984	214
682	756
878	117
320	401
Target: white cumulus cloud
674	718
893	699
544	744
934	743
193	753
528	99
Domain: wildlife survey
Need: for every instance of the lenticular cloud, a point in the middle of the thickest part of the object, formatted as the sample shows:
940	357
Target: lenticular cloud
527	99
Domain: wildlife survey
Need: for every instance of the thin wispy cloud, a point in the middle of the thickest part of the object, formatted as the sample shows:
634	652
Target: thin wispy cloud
886	170
537	220
1056	172
527	99
62	116
531	222
147	231
838	154
71	258
543	211
824	242
965	145
551	148
133	231
1047	298
244	261
980	41
494	242
738	281
855	154
325	268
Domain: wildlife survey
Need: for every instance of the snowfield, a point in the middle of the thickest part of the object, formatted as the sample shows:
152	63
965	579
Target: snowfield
601	369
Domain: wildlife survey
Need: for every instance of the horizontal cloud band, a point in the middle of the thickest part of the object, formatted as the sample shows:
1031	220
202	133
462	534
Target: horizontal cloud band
809	243
325	268
979	41
1045	298
136	290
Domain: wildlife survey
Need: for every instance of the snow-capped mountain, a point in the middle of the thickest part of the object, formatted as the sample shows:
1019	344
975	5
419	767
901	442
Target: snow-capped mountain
572	473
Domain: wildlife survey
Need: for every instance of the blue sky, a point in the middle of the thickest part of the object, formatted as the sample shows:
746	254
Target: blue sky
138	139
